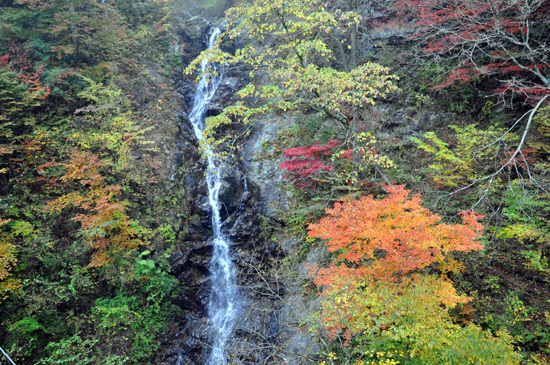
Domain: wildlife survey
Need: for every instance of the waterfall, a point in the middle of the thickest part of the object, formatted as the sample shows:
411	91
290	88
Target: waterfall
223	303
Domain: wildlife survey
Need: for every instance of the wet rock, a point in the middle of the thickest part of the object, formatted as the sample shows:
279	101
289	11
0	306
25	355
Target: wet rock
265	173
250	201
231	190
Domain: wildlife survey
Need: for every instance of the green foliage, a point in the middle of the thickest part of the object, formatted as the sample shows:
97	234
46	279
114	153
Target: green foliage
8	260
210	9
114	132
542	118
167	233
26	327
409	322
68	87
526	211
476	152
129	324
22	228
443	157
71	350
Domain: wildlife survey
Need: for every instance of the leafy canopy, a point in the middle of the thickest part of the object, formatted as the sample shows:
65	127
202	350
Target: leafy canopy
377	293
388	238
290	43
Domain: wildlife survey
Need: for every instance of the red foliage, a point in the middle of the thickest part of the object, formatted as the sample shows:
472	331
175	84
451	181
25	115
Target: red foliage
506	34
462	75
33	79
304	163
20	61
312	151
347	153
303	171
305	167
522	160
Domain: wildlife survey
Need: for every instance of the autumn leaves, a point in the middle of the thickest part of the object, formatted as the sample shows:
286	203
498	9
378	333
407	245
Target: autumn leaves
386	286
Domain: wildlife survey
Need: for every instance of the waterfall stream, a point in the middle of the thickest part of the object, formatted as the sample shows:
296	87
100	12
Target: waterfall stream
224	297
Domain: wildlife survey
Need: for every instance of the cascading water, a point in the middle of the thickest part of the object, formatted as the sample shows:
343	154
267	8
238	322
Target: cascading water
224	297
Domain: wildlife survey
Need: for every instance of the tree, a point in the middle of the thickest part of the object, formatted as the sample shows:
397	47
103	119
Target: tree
21	95
467	162
111	234
501	38
489	37
289	43
389	238
309	166
377	287
8	260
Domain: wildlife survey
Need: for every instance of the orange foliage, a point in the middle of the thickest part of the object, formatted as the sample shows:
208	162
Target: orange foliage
103	222
382	245
388	238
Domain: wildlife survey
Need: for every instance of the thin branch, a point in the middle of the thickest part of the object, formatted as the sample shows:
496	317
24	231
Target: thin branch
511	159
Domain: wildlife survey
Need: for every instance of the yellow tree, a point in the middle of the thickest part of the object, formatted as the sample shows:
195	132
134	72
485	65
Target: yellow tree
289	42
8	261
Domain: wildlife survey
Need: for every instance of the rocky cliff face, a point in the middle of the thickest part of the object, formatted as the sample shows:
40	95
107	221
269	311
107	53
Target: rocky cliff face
268	331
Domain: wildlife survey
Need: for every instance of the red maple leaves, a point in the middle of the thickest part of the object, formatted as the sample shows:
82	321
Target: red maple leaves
305	165
504	37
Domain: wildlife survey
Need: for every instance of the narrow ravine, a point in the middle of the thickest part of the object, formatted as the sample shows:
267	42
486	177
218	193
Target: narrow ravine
223	304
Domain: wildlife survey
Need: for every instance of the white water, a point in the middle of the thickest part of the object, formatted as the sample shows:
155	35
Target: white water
224	297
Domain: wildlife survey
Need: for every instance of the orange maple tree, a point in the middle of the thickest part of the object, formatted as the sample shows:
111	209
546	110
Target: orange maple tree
110	232
388	238
382	247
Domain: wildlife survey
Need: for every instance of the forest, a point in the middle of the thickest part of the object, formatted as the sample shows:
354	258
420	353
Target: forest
387	182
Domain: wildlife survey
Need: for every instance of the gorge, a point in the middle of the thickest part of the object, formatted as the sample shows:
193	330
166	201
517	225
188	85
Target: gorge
269	182
223	305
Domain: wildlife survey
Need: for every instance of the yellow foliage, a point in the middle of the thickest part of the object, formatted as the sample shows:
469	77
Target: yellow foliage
8	261
296	60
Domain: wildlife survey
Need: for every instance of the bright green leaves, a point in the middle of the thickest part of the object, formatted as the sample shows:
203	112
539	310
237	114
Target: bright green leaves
443	157
97	93
526	210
